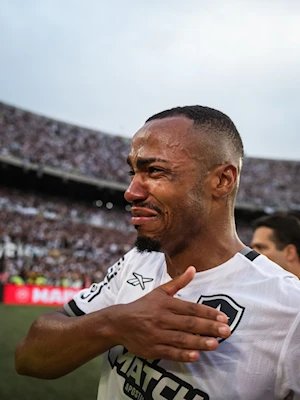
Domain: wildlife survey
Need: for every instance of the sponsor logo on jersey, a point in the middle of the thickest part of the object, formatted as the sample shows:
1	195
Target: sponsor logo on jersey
146	380
96	288
139	280
227	305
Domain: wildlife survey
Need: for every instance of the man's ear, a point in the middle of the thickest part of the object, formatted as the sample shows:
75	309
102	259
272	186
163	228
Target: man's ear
290	252
224	180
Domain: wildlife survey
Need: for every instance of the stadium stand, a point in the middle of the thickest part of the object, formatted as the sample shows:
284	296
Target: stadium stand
61	240
62	212
270	184
46	142
43	141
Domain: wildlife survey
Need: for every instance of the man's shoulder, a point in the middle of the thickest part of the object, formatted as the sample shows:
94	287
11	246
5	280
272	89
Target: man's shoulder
271	275
270	268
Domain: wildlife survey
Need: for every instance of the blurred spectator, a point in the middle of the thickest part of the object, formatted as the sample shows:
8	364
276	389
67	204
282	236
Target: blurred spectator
277	236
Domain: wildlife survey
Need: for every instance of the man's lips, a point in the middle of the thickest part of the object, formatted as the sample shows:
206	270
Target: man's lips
142	214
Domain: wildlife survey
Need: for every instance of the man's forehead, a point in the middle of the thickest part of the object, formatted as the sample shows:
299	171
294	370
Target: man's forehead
263	234
172	139
176	124
166	132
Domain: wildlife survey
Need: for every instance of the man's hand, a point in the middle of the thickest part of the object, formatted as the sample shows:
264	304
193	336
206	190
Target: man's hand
159	326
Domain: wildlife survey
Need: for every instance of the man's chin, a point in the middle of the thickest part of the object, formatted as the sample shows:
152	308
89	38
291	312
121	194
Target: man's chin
147	244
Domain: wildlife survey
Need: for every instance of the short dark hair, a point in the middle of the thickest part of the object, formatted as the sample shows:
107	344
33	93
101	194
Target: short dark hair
209	118
285	227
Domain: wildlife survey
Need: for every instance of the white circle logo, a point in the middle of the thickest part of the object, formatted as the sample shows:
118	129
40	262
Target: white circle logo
22	294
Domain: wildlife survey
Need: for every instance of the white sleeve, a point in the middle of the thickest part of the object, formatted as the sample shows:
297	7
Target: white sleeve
288	373
98	295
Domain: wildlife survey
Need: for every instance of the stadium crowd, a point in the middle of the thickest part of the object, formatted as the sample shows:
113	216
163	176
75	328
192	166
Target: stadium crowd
52	241
270	184
47	240
44	141
55	241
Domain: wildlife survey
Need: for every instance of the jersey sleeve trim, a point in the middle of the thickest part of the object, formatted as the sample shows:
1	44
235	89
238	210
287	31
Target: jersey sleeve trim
249	253
72	309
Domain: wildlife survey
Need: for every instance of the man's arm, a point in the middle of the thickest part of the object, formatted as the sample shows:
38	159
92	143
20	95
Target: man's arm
154	326
57	344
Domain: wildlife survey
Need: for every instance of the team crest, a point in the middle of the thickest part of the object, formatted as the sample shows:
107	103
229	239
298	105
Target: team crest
227	305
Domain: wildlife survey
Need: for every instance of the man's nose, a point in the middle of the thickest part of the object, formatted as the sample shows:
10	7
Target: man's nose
136	190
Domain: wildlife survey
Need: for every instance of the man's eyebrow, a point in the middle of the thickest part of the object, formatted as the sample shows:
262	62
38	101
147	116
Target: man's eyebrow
140	162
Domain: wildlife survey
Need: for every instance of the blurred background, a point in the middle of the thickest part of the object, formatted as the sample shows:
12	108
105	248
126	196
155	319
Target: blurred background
77	80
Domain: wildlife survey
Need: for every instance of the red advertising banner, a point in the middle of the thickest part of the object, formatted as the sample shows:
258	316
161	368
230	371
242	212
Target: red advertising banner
37	295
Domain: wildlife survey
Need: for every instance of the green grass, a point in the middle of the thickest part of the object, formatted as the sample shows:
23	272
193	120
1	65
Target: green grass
78	385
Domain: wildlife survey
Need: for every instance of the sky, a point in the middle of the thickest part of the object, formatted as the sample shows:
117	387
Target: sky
111	65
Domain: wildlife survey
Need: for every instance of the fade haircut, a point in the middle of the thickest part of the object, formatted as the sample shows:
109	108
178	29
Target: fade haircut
285	229
220	129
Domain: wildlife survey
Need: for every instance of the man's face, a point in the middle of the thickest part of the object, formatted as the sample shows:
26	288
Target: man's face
167	187
263	243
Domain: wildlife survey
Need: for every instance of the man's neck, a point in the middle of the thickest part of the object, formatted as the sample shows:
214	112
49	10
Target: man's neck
203	255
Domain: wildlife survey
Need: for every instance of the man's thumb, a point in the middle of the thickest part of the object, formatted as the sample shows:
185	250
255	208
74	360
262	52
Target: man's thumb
172	287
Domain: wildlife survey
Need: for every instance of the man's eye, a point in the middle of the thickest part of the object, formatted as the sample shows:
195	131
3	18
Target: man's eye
130	173
154	169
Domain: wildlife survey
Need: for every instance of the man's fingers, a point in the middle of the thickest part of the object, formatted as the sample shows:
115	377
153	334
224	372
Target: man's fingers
183	340
182	307
182	354
172	287
195	325
187	308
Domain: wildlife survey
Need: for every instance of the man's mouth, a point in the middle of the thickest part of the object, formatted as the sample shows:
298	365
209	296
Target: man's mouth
141	215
